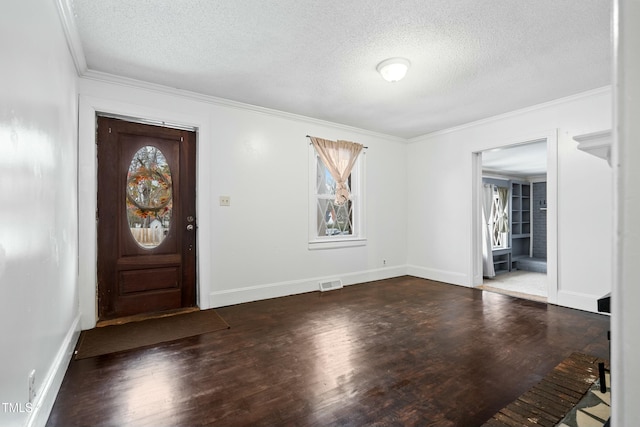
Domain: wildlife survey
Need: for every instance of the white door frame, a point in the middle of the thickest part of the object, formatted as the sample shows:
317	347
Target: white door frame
552	209
88	107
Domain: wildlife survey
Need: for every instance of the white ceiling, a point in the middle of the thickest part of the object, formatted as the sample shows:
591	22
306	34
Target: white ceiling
524	160
470	59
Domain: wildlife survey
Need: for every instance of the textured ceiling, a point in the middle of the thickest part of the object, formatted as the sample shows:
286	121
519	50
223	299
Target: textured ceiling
470	59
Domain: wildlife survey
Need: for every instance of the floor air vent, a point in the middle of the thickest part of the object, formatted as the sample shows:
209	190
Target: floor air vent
331	285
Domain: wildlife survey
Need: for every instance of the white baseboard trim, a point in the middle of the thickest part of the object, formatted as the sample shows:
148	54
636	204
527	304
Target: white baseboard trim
46	396
280	289
451	277
578	300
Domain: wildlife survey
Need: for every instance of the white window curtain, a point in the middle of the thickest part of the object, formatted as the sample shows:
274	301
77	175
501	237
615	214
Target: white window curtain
503	220
487	230
339	158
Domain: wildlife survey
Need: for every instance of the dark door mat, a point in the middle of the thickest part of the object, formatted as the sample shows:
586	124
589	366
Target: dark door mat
111	339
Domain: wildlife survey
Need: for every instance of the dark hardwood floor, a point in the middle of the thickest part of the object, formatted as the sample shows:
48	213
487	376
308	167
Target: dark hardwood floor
402	351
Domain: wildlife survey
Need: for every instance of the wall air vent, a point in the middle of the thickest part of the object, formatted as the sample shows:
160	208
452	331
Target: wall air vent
330	285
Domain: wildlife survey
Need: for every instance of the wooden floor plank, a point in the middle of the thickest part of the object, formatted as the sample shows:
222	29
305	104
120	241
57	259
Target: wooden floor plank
553	393
553	397
561	390
520	419
543	404
494	423
548	399
403	351
541	418
568	381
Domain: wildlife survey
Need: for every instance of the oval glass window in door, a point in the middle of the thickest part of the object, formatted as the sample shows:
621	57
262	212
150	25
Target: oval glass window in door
149	199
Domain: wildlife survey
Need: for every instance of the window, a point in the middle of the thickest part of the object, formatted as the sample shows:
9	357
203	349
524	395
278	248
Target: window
149	199
332	225
499	220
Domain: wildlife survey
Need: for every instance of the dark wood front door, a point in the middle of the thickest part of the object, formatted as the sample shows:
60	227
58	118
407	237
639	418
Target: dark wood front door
146	218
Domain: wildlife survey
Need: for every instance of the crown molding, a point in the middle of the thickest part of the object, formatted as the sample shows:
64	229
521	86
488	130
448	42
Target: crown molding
214	100
67	19
513	113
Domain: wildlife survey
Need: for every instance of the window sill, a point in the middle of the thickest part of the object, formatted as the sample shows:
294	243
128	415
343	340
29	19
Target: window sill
337	243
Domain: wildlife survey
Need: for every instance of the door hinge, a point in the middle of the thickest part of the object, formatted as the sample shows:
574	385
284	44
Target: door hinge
97	215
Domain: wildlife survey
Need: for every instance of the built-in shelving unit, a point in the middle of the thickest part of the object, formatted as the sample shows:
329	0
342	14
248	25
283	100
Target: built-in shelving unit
520	235
501	260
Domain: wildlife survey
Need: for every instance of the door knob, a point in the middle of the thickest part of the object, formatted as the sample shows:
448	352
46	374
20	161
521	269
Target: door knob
189	227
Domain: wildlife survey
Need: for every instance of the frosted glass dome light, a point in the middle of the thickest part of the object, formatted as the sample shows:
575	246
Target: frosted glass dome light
393	69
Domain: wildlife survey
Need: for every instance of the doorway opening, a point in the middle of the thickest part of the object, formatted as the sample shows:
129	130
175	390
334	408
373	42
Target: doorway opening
515	241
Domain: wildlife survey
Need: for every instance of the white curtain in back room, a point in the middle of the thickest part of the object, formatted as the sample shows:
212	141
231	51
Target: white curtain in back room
487	234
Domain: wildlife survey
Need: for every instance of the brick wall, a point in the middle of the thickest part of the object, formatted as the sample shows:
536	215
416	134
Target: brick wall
539	220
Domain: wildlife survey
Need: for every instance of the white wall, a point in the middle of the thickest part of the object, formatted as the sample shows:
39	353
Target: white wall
258	247
625	315
38	208
440	196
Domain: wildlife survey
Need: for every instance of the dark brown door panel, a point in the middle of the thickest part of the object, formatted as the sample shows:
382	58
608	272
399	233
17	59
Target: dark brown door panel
146	218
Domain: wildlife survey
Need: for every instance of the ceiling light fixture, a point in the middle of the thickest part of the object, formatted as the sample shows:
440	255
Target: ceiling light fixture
393	69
